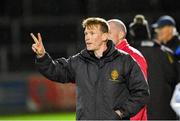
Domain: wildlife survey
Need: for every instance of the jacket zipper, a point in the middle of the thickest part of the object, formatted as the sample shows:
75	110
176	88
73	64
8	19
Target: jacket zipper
96	88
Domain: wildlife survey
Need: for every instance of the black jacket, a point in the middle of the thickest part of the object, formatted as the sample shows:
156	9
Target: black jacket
113	82
162	78
174	45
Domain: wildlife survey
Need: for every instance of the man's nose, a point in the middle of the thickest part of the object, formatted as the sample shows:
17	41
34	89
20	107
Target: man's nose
87	37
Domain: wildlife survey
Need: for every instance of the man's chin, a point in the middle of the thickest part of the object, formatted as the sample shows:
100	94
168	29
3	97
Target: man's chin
89	49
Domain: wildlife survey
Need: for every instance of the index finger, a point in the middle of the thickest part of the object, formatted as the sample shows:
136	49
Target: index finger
34	38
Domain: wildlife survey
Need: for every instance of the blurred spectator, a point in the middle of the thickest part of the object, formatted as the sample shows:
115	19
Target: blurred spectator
165	28
175	101
162	73
139	30
166	34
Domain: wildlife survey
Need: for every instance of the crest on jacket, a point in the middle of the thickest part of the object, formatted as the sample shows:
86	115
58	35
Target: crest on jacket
114	75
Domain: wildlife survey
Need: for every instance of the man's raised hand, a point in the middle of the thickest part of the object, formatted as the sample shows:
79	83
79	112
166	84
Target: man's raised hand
38	46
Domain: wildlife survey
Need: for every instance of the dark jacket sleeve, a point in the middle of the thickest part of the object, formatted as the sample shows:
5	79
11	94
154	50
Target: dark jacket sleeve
59	70
138	89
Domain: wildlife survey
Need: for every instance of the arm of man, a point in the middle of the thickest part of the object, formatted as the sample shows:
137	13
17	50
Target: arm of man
56	70
138	90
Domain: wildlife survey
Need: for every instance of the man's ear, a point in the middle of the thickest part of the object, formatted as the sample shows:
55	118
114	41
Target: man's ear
121	35
105	36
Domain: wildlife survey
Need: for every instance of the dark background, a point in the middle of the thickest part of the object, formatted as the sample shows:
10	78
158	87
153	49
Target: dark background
59	22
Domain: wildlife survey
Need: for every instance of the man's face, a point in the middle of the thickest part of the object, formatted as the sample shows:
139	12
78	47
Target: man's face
113	33
94	37
164	34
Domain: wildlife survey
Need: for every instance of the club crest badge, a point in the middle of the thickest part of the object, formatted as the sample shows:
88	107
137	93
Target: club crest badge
114	75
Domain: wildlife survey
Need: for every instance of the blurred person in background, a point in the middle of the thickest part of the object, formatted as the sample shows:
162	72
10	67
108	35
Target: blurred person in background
117	34
166	34
139	31
162	71
175	100
110	84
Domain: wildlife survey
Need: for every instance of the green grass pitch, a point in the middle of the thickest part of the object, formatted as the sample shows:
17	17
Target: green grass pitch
45	116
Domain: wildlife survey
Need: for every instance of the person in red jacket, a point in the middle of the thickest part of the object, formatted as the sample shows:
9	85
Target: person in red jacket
117	34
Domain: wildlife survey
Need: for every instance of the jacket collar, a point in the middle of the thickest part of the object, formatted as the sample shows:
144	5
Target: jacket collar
122	44
106	55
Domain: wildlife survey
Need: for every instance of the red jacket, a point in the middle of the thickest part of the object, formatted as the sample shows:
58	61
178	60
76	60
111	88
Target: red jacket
140	60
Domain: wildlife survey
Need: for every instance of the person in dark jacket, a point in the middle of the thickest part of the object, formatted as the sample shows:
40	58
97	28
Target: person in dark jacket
138	30
166	34
110	85
162	73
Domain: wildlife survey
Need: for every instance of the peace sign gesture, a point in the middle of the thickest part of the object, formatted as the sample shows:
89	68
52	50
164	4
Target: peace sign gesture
38	46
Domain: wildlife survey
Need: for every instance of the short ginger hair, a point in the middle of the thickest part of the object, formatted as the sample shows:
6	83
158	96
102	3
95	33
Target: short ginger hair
94	21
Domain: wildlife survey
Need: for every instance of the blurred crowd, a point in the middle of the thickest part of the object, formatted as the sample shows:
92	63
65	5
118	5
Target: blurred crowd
159	43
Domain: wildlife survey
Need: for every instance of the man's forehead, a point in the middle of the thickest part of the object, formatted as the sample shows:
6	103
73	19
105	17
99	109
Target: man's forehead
164	27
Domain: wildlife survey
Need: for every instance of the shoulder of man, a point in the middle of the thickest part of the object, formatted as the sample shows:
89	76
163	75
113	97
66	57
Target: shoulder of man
125	56
122	52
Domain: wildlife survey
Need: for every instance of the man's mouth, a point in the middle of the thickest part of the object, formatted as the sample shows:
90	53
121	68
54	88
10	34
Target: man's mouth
88	43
